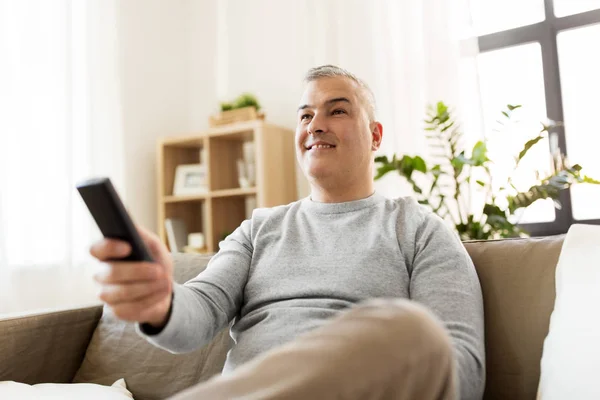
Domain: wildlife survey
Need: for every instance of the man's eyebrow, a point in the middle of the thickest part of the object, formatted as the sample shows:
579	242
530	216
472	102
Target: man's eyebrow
330	101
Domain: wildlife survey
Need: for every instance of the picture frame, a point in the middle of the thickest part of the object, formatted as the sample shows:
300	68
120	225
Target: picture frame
190	179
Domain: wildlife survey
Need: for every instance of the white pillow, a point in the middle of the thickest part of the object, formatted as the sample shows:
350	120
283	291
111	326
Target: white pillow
571	355
10	390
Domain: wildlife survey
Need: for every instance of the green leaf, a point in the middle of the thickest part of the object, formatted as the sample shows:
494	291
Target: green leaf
226	106
436	170
492	209
384	169
505	114
246	100
419	164
441	108
384	166
528	146
445	128
460	161
550	189
587	179
497	221
407	165
479	154
480	183
511	107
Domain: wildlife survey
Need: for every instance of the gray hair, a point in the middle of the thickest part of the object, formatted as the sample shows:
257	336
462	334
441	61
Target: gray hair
332	71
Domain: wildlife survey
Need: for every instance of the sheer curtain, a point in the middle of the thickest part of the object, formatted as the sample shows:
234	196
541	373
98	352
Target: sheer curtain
59	123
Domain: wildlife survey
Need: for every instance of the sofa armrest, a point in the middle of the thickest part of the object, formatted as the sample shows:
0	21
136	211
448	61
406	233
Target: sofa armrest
46	347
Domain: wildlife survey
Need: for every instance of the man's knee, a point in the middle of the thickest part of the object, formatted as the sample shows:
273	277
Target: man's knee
402	327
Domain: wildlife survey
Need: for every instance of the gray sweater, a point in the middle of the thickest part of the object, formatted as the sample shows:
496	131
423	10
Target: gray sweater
290	268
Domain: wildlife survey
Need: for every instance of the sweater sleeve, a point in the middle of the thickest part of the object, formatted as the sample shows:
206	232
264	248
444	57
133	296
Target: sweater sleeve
443	278
203	306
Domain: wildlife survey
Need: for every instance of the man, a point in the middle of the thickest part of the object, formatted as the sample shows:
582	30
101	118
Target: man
298	280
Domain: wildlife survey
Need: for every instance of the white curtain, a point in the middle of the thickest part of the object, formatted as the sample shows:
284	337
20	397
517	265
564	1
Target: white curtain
407	50
59	124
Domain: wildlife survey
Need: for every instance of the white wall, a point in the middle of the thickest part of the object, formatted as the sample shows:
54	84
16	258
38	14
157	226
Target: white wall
261	43
167	69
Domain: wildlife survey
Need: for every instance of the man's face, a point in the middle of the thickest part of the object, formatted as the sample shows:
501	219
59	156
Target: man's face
334	138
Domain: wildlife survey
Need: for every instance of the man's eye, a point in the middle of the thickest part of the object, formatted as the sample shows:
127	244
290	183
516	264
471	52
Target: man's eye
304	116
339	111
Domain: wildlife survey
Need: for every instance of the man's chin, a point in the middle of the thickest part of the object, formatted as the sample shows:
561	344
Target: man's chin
318	172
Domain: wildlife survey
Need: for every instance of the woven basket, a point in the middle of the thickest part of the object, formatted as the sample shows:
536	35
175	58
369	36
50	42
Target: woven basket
237	115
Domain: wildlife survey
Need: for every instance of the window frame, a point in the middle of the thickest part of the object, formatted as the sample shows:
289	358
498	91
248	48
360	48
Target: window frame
545	33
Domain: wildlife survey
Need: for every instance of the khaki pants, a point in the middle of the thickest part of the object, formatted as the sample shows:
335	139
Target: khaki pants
381	349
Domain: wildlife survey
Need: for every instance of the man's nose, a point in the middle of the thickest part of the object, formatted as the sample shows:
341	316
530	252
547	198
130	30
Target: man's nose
316	126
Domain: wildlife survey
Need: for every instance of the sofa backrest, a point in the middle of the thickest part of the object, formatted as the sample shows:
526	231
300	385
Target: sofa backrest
46	346
518	283
117	351
517	278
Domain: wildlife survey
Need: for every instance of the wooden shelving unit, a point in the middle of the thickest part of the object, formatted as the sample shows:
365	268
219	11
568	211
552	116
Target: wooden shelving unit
223	208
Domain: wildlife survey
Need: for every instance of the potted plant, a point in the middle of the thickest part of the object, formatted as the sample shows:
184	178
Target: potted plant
447	186
243	108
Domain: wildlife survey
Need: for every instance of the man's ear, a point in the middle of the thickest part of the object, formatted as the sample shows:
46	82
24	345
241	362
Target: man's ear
376	135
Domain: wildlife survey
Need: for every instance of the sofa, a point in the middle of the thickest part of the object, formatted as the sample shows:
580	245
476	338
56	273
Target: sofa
90	345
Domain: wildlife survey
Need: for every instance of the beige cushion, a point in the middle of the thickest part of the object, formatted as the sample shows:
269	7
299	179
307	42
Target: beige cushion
517	281
116	350
571	358
65	391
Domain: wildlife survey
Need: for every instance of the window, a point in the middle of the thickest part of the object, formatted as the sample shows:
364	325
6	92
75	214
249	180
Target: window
543	54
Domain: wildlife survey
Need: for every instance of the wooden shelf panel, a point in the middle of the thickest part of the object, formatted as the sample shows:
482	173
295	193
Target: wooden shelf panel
233	192
195	141
237	131
224	153
240	130
183	199
214	194
228	214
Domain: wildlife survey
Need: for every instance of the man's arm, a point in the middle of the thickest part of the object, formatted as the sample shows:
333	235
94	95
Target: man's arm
203	306
444	279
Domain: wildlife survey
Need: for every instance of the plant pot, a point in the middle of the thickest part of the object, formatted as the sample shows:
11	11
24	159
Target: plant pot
233	116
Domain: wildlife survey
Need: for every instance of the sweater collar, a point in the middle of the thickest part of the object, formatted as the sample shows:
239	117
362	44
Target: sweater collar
344	207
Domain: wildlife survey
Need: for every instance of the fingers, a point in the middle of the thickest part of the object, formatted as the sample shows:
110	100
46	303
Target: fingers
143	309
135	291
113	250
129	272
157	249
110	249
132	292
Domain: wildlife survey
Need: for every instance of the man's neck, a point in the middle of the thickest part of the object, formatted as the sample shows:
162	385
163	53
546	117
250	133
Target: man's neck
340	194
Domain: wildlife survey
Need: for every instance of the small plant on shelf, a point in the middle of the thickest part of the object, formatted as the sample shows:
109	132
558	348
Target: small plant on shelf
243	100
243	108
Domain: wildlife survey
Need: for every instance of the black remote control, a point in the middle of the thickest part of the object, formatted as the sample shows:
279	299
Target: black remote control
112	218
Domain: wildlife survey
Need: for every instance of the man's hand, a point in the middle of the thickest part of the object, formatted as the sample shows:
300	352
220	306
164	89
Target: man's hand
136	291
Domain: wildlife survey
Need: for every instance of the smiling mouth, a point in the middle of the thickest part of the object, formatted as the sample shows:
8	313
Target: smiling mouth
321	147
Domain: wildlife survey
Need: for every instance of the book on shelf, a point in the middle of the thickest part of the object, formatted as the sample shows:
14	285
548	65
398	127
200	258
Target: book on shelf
176	234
